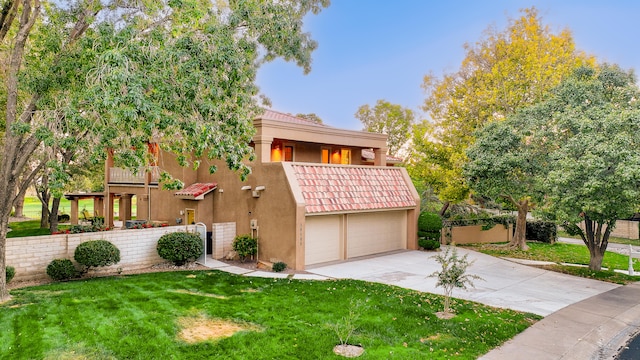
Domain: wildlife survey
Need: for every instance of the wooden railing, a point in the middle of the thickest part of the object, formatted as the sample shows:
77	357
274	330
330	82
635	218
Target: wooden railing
125	176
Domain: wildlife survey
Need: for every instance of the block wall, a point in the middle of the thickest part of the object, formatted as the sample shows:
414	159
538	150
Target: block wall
31	255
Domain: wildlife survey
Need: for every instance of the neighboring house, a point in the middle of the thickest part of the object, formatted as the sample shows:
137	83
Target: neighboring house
315	194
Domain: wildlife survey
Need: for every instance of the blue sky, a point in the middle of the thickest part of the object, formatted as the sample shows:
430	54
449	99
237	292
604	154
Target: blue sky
380	49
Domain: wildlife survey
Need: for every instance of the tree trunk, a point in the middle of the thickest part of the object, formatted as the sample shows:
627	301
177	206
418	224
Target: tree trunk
19	205
595	261
53	216
596	240
4	293
44	197
519	240
444	208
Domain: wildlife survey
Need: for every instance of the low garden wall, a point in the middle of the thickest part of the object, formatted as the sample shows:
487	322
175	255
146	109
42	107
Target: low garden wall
31	255
624	229
474	234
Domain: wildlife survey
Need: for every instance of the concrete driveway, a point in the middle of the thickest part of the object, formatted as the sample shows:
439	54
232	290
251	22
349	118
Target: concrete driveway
506	284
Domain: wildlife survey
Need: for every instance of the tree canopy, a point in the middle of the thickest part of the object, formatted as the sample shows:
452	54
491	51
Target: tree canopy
575	152
500	73
390	119
180	73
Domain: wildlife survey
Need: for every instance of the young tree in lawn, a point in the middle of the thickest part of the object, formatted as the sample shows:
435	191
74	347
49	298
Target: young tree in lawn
181	73
390	119
501	73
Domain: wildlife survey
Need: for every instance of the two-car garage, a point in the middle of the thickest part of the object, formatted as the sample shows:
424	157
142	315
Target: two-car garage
344	236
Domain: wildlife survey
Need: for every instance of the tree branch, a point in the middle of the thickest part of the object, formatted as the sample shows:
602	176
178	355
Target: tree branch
7	15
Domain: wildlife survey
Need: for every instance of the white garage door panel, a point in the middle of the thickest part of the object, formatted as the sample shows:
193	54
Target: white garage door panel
373	233
322	239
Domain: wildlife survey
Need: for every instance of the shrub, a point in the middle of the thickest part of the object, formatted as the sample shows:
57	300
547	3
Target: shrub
180	247
279	266
10	273
96	253
429	229
543	231
428	244
64	218
245	245
61	269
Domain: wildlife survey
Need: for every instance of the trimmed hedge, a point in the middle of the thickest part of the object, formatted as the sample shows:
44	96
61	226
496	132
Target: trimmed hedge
10	272
96	253
180	247
428	244
543	231
429	226
61	270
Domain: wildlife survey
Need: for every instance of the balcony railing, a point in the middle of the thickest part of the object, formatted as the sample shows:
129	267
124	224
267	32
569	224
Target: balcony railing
125	176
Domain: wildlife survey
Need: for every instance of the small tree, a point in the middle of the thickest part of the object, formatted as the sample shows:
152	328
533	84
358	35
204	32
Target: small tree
453	275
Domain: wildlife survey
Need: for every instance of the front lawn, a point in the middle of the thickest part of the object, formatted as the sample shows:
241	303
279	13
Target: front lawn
149	317
570	254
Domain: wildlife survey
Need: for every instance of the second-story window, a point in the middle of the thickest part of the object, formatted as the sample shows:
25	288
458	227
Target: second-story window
325	156
288	153
345	156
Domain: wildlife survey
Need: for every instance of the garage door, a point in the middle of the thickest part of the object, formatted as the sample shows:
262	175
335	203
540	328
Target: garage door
372	233
322	239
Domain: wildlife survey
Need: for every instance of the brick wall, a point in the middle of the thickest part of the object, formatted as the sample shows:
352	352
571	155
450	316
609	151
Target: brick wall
31	255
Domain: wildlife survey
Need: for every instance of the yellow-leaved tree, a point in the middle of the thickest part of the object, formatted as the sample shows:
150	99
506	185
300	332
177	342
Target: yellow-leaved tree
500	73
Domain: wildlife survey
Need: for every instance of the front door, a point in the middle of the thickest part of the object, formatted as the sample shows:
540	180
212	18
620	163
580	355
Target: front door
191	216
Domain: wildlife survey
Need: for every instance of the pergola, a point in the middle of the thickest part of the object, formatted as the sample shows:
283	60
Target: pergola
98	204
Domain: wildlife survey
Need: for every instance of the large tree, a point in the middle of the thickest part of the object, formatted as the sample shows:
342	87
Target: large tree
181	73
502	72
390	119
504	163
576	153
593	121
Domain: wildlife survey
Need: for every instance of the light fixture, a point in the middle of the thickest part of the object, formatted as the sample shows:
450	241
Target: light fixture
246	187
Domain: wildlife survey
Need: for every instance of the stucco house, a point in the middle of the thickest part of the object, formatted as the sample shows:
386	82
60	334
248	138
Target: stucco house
316	194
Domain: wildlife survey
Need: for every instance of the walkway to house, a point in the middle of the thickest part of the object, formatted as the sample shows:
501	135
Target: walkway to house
585	319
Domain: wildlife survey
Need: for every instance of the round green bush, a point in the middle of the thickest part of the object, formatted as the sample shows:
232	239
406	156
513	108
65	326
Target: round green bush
96	253
245	245
279	266
61	269
180	247
429	226
429	244
10	273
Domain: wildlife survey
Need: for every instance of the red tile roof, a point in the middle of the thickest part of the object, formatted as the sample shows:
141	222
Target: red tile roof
196	191
275	115
327	188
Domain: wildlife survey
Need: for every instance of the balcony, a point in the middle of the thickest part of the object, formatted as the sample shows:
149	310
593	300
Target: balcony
124	176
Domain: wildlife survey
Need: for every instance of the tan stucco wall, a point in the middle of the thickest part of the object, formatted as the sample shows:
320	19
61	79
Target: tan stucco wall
475	235
274	209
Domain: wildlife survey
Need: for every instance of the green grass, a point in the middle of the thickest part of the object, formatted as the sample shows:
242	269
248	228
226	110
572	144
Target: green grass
570	254
30	228
138	317
33	207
